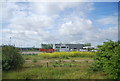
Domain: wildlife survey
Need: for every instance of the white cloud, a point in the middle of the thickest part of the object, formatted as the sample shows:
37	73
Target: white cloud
57	7
34	23
100	35
31	23
108	20
75	26
79	30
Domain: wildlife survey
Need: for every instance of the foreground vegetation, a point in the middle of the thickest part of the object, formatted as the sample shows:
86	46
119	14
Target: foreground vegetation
11	58
103	64
107	59
57	65
75	68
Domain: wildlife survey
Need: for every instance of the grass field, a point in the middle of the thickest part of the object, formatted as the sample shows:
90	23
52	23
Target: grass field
57	65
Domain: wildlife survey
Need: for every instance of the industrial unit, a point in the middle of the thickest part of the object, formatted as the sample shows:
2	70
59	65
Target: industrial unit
67	47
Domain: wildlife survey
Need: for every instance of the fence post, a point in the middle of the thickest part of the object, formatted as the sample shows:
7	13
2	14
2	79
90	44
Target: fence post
47	64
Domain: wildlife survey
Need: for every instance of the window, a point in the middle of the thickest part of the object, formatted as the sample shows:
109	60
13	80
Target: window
63	47
75	48
57	47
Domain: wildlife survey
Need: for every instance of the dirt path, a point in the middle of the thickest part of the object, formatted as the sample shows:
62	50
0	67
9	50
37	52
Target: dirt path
30	52
48	61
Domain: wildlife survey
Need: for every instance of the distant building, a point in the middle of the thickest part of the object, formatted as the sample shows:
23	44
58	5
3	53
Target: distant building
93	48
86	47
67	47
28	48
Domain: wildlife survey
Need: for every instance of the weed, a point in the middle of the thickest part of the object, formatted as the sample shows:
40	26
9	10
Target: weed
34	60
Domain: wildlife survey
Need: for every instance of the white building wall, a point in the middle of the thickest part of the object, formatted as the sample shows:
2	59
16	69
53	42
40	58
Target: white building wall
64	48
54	46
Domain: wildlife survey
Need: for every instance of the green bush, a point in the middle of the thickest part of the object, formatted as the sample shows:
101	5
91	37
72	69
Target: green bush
34	60
11	59
27	58
107	59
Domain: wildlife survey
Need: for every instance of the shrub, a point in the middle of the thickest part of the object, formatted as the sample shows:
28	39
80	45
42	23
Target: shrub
34	60
27	58
107	59
11	59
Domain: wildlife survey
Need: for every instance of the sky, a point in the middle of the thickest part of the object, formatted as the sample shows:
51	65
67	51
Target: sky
32	23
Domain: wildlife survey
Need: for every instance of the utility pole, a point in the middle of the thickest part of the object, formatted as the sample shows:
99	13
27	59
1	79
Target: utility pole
10	40
10	36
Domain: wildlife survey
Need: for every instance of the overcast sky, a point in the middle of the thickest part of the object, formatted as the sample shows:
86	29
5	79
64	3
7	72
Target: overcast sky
32	23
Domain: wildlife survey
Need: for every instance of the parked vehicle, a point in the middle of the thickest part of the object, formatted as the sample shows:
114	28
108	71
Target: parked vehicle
47	50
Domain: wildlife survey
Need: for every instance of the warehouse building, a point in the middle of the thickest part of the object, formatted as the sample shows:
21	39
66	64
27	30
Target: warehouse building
68	47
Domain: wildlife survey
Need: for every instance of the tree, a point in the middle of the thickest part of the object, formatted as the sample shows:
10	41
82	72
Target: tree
87	44
107	59
11	58
47	46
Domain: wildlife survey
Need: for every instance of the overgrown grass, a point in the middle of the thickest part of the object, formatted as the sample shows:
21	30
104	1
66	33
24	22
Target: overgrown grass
60	71
31	57
67	54
34	60
57	65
